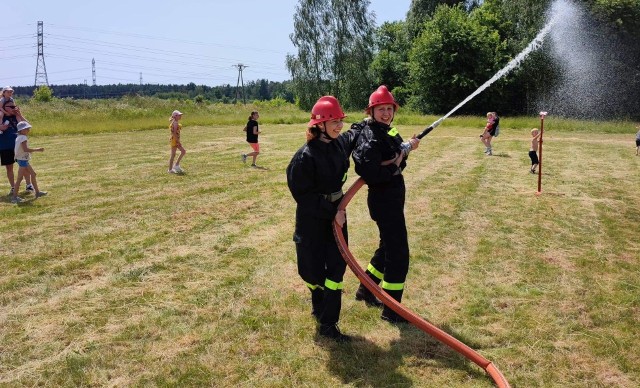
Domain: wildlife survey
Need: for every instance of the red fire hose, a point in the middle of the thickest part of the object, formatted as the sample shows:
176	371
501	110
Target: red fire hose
409	315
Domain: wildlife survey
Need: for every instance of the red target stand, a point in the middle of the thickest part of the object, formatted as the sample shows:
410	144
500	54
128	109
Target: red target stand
542	114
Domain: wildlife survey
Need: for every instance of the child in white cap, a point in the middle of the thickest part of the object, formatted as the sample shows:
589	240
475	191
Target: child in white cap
23	156
176	127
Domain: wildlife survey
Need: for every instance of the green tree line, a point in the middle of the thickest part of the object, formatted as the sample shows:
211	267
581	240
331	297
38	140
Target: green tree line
261	90
444	50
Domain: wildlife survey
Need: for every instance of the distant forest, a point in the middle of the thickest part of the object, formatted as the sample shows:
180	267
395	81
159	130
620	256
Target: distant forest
261	90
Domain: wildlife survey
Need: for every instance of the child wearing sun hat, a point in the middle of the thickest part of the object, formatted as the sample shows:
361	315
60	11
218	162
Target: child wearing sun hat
23	158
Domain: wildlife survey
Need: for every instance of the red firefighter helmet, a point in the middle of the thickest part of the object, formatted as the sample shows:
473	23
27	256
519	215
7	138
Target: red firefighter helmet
382	95
325	109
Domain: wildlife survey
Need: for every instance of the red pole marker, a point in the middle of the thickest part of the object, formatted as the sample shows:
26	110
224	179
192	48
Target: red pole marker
404	312
542	114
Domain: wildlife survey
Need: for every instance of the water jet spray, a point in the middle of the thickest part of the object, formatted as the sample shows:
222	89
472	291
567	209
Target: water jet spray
535	43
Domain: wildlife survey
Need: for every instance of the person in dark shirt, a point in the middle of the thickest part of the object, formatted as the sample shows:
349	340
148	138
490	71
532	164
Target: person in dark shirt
8	134
252	131
315	177
380	157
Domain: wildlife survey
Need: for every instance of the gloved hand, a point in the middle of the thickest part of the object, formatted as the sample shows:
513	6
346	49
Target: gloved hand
410	145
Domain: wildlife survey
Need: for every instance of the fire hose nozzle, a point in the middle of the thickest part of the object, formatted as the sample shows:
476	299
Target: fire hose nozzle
430	128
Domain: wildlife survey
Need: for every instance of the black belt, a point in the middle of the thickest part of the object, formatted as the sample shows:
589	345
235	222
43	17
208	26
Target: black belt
333	196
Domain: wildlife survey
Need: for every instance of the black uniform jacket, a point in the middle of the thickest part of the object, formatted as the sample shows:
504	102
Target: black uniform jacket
317	169
377	143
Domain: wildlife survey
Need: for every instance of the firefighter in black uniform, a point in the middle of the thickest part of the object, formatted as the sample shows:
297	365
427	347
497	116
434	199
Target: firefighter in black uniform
315	177
380	157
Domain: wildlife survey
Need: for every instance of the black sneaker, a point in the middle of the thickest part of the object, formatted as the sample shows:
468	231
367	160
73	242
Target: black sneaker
393	317
333	332
367	296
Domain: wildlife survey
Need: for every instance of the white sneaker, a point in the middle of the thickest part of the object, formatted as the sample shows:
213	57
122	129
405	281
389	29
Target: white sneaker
16	200
30	188
178	169
171	171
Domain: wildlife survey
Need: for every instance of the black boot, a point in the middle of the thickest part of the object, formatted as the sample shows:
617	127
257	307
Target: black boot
332	331
390	315
367	296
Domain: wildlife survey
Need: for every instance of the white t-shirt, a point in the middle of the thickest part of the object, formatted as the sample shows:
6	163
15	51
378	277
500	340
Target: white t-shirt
20	153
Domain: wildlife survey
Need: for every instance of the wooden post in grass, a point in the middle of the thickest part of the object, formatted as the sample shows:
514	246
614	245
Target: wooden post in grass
542	114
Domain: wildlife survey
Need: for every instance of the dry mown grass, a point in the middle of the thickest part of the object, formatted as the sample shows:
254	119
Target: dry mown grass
126	275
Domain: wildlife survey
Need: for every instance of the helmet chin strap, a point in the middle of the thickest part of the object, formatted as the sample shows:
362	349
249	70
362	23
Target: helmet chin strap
324	137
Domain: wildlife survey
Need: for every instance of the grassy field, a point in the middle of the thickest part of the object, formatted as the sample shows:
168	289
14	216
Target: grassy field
128	276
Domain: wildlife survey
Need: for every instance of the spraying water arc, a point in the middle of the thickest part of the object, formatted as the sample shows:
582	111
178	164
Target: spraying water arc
515	62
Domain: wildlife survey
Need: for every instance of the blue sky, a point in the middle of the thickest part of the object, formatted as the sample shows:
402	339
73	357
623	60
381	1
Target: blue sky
164	42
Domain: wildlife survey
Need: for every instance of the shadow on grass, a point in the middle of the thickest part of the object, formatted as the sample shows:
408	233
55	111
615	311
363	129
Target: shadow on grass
363	363
501	155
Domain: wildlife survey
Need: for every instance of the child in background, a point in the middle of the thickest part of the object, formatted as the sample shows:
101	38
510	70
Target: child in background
252	131
489	132
638	140
7	95
175	127
23	156
533	150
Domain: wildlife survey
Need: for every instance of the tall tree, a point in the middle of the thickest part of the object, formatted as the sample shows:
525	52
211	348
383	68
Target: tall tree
334	39
421	10
453	55
391	63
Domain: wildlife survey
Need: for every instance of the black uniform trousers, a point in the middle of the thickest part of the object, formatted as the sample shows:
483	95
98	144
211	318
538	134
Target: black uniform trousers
321	266
386	207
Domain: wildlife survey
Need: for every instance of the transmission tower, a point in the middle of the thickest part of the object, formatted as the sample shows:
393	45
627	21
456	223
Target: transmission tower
240	66
41	69
93	70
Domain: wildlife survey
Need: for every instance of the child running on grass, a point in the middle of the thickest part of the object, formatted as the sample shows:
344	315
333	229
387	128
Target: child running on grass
252	131
176	127
23	156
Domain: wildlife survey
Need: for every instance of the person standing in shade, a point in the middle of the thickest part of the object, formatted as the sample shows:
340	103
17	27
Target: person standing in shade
252	131
315	177
380	157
